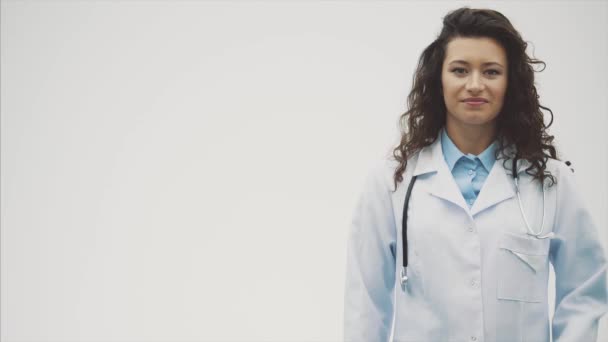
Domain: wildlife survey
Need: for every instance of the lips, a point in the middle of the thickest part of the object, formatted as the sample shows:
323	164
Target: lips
475	100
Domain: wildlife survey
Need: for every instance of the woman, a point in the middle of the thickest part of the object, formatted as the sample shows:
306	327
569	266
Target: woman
477	263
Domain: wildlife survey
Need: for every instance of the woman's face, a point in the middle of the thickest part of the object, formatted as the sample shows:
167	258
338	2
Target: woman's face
474	68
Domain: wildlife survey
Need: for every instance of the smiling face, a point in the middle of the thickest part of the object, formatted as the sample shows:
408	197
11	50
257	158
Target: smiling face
473	67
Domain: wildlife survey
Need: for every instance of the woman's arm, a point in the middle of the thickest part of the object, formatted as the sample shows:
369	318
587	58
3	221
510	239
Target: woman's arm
579	262
370	271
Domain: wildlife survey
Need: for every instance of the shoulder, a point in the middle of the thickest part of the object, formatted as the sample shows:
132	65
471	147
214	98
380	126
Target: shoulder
559	169
565	181
382	171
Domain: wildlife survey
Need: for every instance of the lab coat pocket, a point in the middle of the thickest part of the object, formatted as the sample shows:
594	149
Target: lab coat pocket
522	264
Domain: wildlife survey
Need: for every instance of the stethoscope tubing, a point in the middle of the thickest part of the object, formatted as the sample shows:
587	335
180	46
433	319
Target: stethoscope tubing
404	228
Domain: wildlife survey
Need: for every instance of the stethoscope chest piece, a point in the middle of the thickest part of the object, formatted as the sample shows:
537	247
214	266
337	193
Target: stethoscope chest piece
403	276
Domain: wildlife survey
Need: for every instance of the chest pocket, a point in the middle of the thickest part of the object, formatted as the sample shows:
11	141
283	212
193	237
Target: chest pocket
522	267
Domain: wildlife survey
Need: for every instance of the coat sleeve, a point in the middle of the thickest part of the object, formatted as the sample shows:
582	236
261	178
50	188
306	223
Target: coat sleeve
370	263
579	262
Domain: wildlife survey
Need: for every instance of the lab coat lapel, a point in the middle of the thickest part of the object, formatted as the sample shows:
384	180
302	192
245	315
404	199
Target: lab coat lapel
499	186
422	164
442	183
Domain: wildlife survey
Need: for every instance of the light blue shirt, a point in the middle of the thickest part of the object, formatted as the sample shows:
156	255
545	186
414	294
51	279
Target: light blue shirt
469	171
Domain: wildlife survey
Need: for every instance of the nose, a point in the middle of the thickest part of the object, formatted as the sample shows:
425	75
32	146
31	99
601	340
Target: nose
475	83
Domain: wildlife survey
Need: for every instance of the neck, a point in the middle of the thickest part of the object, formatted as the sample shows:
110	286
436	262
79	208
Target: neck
472	139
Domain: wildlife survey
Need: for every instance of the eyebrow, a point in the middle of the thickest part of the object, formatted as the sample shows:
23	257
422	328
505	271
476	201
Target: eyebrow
467	63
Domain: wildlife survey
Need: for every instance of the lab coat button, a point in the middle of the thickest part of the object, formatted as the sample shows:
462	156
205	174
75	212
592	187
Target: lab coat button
473	283
473	338
470	228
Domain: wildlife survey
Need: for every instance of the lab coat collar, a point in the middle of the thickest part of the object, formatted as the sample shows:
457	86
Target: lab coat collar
509	153
497	187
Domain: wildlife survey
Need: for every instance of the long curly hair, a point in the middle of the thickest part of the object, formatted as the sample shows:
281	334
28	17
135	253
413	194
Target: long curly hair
519	124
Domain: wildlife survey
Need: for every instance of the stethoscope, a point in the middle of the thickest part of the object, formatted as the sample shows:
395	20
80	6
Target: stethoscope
530	232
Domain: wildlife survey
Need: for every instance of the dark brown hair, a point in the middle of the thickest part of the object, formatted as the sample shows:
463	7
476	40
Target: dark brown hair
520	122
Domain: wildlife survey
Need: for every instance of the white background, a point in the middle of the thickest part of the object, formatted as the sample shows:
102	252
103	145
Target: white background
187	171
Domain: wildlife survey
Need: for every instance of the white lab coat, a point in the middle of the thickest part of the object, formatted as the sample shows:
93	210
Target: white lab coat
474	274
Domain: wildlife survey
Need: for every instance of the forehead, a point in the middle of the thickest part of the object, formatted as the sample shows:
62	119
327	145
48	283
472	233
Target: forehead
475	51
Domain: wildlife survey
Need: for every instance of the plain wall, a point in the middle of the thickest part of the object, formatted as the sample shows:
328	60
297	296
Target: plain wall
187	171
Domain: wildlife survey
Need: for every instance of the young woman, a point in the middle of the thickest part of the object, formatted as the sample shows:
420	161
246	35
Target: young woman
466	257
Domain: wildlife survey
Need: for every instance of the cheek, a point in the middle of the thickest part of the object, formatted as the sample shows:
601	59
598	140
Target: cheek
450	90
448	98
449	85
500	97
499	100
501	90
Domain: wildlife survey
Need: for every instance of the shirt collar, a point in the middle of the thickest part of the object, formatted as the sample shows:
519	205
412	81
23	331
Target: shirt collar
452	154
487	156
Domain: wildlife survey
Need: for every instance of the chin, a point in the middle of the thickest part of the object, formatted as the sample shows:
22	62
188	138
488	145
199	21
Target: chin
476	119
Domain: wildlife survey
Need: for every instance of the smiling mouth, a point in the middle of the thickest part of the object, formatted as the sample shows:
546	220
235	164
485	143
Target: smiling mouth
475	103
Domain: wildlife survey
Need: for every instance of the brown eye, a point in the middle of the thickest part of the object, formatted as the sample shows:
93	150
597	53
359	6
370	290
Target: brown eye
493	70
455	70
